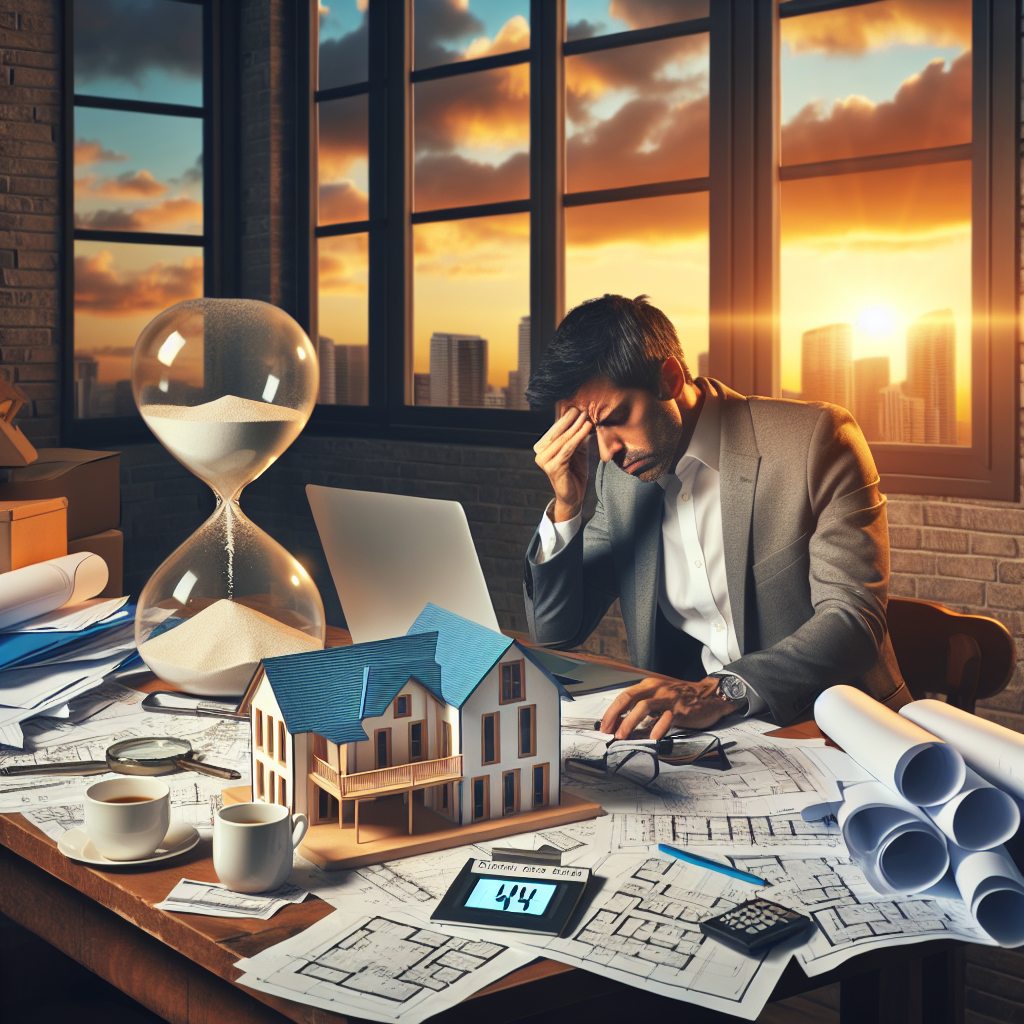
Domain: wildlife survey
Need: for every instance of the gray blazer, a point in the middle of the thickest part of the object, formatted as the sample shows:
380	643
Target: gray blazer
806	551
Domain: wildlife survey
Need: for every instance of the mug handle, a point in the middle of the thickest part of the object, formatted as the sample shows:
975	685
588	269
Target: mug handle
301	823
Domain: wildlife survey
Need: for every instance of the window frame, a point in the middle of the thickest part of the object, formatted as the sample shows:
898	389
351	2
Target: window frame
485	803
545	769
516	774
422	723
522	682
495	718
220	240
744	188
532	709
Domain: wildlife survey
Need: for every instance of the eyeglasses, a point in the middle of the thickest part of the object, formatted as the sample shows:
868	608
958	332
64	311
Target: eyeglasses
640	760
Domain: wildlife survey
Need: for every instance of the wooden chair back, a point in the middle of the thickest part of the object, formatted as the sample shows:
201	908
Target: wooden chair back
965	657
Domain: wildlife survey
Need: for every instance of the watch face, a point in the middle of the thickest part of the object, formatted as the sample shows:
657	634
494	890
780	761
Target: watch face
732	687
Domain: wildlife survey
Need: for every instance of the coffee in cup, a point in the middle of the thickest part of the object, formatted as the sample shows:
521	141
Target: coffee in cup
253	844
126	819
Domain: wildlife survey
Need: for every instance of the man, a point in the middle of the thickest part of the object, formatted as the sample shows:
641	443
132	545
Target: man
745	538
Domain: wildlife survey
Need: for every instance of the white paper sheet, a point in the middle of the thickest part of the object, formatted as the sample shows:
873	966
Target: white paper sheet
71	618
979	817
898	753
215	900
391	965
994	752
993	889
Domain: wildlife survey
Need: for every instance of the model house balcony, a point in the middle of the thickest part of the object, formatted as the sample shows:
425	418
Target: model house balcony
385	781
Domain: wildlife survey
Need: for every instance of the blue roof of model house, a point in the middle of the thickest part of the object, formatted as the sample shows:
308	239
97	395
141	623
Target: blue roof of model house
466	652
330	692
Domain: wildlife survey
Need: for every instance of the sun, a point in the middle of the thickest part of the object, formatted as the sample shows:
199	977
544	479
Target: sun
876	320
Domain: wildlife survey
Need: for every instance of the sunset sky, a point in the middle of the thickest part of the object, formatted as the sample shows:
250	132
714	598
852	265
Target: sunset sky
876	250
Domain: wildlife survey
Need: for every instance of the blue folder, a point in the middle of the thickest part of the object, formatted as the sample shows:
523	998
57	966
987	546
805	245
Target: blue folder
20	649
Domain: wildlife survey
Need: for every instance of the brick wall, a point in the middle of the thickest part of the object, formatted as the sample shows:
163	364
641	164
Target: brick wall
29	190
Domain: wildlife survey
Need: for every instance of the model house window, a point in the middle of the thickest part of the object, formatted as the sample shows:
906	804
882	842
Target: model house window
283	791
510	791
271	786
382	740
481	798
270	736
320	746
445	800
491	740
261	782
282	747
528	731
511	682
551	152
416	745
403	706
257	719
446	739
540	785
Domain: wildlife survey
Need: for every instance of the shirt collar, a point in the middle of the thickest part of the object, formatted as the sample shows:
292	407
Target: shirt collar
705	444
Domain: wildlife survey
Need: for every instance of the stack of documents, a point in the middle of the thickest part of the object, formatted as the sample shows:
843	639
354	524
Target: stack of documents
47	662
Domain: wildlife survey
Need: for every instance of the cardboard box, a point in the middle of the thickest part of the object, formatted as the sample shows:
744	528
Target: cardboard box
32	531
109	545
89	480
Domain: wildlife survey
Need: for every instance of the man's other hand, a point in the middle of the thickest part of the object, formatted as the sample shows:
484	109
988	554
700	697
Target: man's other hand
563	457
671	702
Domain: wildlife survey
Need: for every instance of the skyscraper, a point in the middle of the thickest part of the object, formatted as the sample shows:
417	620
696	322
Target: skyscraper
825	366
351	375
902	416
328	382
870	375
421	389
931	373
458	369
519	379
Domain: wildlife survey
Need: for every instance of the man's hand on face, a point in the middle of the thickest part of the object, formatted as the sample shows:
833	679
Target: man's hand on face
671	702
563	457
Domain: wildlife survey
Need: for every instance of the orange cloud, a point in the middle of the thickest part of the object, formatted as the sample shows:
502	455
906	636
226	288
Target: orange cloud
91	151
478	247
644	13
170	213
873	26
513	35
100	289
343	263
344	135
445	180
341	202
931	108
664	219
140	185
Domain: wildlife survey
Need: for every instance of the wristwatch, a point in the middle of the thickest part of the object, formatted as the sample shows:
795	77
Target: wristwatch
734	690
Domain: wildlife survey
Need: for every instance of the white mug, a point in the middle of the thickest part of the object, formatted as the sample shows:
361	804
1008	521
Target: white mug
127	819
253	844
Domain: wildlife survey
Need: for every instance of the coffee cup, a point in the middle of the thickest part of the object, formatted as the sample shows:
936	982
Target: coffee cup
126	819
253	844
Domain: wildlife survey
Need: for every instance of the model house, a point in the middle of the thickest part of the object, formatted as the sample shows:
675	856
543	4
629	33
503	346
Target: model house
453	716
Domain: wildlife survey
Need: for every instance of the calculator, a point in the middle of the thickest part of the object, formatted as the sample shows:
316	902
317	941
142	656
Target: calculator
753	927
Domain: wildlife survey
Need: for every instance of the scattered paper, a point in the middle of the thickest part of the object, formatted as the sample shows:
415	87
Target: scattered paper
215	900
71	618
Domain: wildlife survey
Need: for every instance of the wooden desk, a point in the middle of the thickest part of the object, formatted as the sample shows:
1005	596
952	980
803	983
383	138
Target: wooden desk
180	966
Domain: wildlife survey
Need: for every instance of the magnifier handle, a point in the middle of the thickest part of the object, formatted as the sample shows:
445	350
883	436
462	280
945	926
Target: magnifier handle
61	768
212	711
188	764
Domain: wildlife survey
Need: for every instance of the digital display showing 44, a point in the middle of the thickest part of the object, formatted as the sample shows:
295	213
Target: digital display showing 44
513	897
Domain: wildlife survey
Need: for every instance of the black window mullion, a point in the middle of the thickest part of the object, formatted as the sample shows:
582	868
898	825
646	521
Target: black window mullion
307	170
547	172
67	234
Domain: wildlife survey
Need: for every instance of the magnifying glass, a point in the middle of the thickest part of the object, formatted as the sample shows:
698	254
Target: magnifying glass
147	755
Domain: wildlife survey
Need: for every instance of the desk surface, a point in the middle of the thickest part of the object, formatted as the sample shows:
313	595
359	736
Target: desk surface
73	906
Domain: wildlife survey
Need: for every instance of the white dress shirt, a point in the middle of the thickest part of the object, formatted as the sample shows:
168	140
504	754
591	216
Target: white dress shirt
693	593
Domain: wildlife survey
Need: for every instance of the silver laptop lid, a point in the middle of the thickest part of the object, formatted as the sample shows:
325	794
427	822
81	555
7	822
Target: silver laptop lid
390	554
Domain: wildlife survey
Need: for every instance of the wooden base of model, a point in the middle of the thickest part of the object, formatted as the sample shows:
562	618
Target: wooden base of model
383	830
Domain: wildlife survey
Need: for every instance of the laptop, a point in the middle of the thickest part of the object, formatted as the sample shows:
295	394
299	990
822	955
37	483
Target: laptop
390	554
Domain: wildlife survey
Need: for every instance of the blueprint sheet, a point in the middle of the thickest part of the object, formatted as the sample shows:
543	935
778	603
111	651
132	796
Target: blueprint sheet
388	965
215	900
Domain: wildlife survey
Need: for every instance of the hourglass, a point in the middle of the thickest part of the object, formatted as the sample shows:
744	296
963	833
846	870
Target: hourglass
225	385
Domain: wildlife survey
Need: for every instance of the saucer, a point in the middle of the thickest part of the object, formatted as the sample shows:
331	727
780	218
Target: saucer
76	845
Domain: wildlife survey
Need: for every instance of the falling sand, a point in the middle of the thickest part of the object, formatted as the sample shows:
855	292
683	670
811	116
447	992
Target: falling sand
217	650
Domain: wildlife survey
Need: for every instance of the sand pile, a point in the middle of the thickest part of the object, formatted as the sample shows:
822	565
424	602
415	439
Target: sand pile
229	440
217	650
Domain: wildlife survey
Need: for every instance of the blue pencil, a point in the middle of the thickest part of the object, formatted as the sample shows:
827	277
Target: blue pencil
712	865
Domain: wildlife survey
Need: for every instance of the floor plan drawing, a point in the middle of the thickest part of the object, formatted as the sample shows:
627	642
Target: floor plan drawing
392	966
424	879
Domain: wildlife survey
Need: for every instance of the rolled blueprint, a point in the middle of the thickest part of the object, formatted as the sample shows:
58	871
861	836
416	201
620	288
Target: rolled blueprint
914	763
37	589
979	817
896	846
995	753
993	890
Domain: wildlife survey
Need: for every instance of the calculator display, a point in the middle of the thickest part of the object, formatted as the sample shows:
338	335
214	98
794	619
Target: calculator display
512	896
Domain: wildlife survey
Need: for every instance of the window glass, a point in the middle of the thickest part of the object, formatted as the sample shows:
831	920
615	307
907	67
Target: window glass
139	50
490	739
119	288
343	334
343	160
526	731
657	247
472	136
138	172
447	31
876	298
882	77
471	282
588	18
343	43
637	114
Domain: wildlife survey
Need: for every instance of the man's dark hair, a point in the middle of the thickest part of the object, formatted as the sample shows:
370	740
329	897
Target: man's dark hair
625	340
